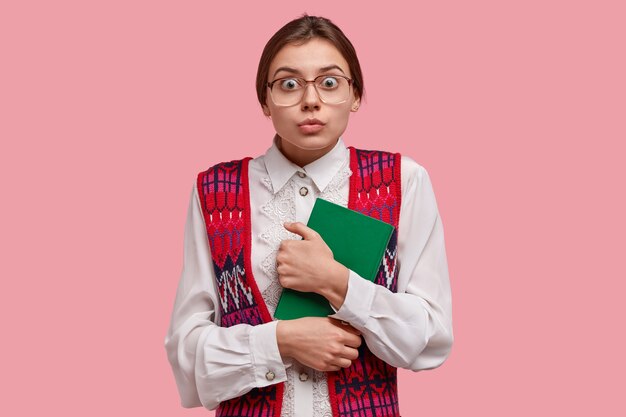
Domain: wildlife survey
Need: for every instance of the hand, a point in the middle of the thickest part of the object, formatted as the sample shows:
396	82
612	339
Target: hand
321	343
308	265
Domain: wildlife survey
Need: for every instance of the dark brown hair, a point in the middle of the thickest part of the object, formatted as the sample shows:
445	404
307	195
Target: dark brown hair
298	31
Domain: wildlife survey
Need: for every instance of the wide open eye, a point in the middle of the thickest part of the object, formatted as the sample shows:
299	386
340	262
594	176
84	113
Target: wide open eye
289	84
328	82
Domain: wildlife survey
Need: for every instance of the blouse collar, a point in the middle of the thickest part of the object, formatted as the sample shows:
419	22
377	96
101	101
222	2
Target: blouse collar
322	170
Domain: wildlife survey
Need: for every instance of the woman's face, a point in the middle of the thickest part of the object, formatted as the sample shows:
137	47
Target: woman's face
305	143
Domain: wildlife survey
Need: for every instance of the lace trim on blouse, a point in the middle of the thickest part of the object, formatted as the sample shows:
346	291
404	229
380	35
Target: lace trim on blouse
279	209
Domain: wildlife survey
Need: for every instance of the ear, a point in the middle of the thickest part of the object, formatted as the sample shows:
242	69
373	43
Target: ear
356	103
266	111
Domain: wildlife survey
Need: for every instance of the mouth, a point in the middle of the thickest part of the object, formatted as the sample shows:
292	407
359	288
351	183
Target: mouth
310	128
311	122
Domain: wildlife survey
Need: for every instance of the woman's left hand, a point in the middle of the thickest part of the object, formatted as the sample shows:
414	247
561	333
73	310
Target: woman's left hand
308	265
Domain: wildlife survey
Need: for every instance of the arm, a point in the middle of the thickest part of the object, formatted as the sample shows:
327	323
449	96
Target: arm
412	328
211	363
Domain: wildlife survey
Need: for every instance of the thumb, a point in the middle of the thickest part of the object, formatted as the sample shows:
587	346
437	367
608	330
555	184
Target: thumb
301	229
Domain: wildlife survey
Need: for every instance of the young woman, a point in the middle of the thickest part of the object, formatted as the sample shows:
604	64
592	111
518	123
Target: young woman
246	239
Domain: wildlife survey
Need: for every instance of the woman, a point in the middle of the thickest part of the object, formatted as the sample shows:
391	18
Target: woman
246	239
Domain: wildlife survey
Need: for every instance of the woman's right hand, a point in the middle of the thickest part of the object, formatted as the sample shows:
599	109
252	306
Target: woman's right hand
321	343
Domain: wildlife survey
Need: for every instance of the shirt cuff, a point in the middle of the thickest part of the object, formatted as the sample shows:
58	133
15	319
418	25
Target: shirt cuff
358	302
268	364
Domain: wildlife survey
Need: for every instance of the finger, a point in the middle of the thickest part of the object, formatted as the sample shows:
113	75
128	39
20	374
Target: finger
350	353
284	280
301	229
282	247
347	327
353	341
280	259
342	362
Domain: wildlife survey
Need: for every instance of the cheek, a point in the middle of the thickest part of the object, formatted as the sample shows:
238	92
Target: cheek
282	119
341	118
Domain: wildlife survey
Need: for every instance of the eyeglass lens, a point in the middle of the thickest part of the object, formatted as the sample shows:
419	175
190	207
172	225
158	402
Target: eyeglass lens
331	90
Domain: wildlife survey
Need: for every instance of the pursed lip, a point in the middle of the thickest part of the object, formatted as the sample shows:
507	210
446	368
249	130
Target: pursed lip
310	122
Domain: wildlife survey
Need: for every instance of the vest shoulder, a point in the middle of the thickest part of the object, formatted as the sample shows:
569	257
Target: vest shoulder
224	165
372	151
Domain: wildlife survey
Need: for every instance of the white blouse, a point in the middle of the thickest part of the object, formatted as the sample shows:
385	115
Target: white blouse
410	329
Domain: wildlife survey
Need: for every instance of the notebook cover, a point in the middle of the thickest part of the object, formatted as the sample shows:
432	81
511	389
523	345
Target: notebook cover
357	241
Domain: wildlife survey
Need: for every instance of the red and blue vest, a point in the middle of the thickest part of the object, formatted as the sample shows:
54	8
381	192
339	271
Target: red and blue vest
368	388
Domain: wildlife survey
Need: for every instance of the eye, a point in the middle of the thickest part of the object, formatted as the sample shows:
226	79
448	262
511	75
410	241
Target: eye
329	82
289	84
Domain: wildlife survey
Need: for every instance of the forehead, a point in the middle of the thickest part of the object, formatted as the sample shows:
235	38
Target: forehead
309	57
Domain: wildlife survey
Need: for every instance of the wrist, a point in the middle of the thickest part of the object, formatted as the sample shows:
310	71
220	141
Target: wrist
337	285
282	338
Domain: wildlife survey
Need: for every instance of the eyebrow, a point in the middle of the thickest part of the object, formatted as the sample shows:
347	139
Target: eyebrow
295	71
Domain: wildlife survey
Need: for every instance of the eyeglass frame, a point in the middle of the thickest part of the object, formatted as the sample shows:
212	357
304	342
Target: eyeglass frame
270	85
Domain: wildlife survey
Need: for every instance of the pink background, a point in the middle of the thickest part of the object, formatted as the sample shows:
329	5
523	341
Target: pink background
517	110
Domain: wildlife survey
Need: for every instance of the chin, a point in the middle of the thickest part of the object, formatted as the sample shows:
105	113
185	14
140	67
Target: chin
312	142
315	147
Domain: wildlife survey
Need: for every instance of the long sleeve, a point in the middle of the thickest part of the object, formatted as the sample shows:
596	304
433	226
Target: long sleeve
211	363
412	328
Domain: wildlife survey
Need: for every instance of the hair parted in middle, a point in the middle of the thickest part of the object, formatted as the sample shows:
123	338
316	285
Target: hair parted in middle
299	31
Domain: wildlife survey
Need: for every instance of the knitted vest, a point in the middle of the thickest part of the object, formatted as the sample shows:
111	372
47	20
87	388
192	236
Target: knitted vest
368	388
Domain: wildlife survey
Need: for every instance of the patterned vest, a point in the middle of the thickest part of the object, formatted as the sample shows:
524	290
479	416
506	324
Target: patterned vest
368	388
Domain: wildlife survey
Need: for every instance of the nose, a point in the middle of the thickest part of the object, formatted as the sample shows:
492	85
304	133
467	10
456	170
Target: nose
310	99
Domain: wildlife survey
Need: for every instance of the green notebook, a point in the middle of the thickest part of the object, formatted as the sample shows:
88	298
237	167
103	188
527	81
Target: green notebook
357	241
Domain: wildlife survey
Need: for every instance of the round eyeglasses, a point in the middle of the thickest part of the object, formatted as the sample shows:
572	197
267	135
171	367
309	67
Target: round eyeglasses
331	89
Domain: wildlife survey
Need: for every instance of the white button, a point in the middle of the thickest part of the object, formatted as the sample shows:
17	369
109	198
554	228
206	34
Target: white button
270	376
304	191
301	174
304	376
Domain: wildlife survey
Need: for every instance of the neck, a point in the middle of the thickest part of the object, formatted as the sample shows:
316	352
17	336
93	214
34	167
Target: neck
299	156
